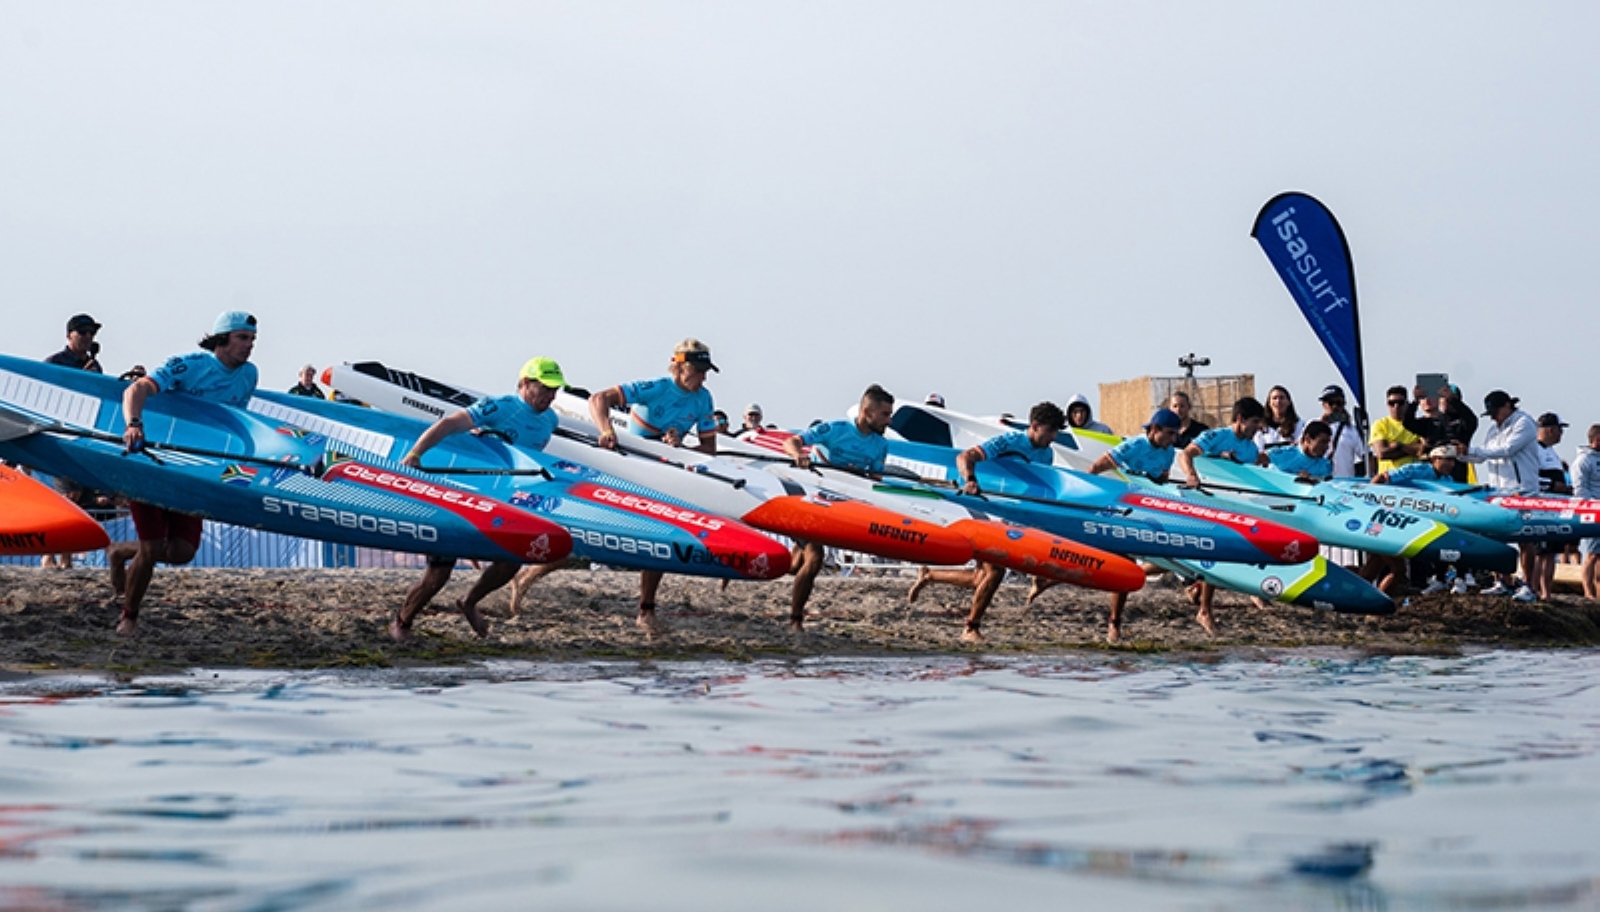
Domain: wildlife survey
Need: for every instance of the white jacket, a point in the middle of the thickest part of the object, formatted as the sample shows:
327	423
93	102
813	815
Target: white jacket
1586	473
1510	455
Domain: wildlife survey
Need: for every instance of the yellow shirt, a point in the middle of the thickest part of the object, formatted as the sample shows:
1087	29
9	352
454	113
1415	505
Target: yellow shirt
1393	431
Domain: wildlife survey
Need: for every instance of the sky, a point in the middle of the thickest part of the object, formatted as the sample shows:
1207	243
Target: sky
1003	202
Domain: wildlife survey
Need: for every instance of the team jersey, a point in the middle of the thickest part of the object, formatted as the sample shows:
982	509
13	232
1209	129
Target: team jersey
1294	460
201	374
513	417
1414	471
1222	442
657	406
1141	457
841	443
1017	443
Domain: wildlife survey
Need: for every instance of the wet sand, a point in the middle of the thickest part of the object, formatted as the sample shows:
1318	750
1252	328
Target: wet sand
63	621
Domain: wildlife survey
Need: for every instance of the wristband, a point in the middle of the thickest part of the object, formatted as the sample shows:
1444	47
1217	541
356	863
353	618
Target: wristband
135	422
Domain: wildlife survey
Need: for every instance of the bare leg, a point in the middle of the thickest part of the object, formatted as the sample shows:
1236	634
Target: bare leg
988	582
493	577
117	557
963	577
419	595
1114	624
526	577
1591	577
1547	576
1038	586
1204	616
807	564
141	569
1527	562
649	584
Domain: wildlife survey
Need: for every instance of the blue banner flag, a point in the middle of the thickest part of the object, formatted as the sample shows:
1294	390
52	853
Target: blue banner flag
1307	247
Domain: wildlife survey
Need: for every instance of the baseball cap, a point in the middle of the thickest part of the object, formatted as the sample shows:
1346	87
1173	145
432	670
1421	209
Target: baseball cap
233	321
1331	391
82	323
1497	400
1551	419
1165	418
1443	452
693	351
545	371
754	407
934	399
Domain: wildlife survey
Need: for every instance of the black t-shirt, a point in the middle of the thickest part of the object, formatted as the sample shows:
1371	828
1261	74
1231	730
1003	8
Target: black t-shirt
1187	435
68	358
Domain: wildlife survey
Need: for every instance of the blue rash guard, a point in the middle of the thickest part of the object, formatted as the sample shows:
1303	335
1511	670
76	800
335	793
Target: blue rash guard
1016	443
841	443
1222	443
657	406
1141	457
512	416
1415	471
201	374
1295	461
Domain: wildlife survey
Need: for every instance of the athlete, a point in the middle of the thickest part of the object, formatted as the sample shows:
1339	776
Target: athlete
524	420
1034	445
844	444
1151	456
1309	461
1235	442
667	409
220	372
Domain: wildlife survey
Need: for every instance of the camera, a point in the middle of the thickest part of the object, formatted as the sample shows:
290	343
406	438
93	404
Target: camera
1191	361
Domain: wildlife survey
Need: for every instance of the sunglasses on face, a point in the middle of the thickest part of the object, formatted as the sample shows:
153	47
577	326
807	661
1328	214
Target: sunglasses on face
1397	402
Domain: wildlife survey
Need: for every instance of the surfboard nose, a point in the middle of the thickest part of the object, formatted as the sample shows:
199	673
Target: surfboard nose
858	526
1280	543
1344	592
1467	549
747	552
1039	553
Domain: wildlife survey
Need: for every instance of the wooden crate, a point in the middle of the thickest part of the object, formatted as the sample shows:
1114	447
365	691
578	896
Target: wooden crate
1126	405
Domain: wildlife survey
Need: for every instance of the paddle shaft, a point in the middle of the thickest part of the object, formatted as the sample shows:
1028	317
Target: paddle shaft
15	424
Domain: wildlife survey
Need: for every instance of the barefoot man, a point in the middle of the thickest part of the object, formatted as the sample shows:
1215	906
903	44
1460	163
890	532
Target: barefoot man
843	444
525	421
221	372
1235	442
1034	445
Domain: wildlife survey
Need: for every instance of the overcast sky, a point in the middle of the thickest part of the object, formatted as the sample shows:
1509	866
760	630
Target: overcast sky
1001	202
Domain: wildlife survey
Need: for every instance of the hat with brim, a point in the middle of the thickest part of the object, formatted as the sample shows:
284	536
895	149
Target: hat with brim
1443	452
1551	419
231	321
1498	400
693	351
82	323
1164	418
1331	391
545	372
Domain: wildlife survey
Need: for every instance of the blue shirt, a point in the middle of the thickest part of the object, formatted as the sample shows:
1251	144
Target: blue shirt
1016	442
1294	460
201	374
1141	457
657	406
1414	471
842	444
513	417
1223	442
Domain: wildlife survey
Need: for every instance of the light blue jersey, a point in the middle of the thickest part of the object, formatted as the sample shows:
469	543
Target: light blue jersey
200	374
1222	442
1294	460
1415	471
1016	443
841	443
1141	457
657	406
512	416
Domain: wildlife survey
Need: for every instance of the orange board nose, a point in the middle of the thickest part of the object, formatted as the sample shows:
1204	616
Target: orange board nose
1042	554
37	520
858	526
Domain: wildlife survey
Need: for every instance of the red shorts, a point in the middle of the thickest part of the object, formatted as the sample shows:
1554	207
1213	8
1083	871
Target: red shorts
156	524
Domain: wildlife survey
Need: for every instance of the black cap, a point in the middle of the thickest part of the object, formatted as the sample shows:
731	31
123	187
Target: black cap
1498	400
82	323
1551	419
1331	391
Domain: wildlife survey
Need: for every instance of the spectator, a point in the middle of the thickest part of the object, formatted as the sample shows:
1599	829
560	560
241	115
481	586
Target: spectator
934	399
1553	479
1346	451
308	384
1457	425
752	418
82	351
1586	484
1391	441
721	419
1283	425
1510	460
1080	417
1188	428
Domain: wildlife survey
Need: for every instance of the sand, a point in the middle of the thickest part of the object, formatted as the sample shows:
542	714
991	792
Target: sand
62	621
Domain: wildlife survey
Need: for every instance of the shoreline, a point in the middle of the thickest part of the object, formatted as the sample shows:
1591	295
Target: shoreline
61	622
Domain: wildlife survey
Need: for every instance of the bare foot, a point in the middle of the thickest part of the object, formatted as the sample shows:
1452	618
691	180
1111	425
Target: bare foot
1035	589
649	623
1256	601
1204	618
972	635
797	627
119	578
1113	632
399	631
516	598
724	586
127	627
918	586
1193	592
475	618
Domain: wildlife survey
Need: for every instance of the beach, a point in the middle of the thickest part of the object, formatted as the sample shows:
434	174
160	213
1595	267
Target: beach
60	621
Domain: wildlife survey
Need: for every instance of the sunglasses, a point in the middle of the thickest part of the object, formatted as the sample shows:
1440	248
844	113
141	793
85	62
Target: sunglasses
1397	402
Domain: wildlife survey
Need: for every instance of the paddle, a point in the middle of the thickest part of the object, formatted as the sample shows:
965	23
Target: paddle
1210	486
737	483
15	425
895	471
540	471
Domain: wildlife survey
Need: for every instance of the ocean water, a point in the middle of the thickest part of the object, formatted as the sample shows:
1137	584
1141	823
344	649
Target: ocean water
1292	782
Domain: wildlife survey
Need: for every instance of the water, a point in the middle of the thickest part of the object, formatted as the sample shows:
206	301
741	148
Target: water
1093	782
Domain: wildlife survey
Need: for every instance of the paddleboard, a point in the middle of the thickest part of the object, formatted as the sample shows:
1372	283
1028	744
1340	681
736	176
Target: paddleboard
36	520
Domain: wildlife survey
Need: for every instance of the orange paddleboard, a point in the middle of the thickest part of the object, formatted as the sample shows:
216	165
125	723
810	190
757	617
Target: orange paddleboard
36	520
857	526
1042	554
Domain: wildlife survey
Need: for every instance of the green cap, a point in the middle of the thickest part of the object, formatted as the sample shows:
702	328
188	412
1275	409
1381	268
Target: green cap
544	370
